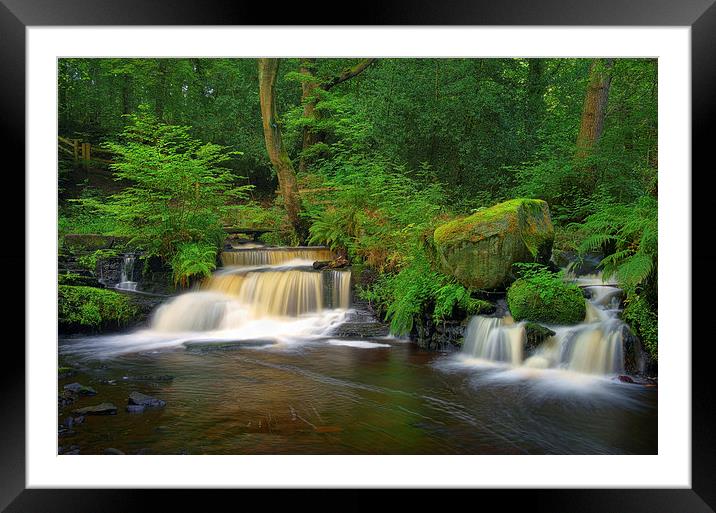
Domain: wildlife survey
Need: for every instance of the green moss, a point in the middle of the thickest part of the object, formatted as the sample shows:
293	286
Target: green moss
545	298
90	309
644	322
90	261
480	249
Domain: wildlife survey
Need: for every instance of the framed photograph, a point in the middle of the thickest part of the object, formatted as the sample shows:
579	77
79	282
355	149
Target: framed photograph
434	248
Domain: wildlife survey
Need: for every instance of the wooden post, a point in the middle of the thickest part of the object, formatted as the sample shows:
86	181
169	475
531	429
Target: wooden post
85	154
75	148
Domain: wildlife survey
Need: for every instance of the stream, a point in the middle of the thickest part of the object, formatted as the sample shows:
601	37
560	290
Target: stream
271	356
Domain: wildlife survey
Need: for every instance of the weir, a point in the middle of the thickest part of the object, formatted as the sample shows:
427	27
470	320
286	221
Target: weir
268	283
274	256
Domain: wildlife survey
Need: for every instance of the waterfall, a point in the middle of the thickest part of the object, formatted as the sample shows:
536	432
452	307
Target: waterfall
495	339
595	346
274	256
268	284
127	273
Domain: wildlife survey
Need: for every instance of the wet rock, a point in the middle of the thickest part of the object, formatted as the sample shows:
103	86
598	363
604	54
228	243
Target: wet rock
100	409
160	377
536	335
71	449
112	450
135	408
63	432
66	398
362	330
337	263
79	419
625	379
321	264
65	372
69	422
77	388
137	398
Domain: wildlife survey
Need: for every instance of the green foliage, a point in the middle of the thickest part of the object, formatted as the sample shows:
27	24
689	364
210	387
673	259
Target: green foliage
191	261
90	261
543	296
628	233
89	308
415	290
178	191
643	320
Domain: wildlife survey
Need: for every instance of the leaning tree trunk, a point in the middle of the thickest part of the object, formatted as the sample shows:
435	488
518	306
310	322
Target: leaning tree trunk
268	71
595	106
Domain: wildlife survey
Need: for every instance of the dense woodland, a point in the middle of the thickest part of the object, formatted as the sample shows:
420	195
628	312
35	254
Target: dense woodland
367	156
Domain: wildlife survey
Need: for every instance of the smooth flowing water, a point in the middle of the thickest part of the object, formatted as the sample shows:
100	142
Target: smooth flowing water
271	357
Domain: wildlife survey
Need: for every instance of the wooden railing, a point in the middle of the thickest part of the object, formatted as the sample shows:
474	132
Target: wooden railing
81	151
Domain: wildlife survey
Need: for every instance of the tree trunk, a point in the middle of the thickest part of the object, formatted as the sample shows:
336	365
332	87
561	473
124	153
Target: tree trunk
535	106
595	106
309	97
268	72
592	124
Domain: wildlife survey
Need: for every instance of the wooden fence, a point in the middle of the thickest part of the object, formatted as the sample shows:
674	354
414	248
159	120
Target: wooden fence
82	151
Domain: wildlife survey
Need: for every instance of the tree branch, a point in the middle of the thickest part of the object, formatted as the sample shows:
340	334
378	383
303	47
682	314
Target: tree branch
347	73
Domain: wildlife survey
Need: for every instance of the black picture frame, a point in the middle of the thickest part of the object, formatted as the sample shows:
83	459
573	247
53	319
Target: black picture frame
17	15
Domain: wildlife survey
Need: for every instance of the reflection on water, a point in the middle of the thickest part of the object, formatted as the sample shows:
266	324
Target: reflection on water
332	396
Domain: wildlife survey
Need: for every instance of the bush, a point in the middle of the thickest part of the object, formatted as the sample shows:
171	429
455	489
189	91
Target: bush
418	290
543	296
193	260
91	309
643	321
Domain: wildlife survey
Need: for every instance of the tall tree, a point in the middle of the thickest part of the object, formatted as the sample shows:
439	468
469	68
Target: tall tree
595	106
311	90
268	72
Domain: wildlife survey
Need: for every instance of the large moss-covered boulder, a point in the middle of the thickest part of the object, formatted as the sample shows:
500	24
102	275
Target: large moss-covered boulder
479	250
547	299
92	309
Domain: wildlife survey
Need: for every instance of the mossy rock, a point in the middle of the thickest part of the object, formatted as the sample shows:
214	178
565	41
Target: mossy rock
536	334
91	309
80	243
551	302
479	250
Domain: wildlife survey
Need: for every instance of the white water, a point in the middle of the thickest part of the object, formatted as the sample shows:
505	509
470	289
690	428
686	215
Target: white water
593	347
277	297
494	339
125	282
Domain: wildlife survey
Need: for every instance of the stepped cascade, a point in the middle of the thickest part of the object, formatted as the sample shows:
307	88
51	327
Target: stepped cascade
258	284
595	346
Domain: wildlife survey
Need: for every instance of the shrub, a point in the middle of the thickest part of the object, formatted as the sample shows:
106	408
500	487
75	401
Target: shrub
543	296
643	321
90	309
193	260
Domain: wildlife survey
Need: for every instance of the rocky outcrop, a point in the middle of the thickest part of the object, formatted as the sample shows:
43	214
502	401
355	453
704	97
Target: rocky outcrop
479	250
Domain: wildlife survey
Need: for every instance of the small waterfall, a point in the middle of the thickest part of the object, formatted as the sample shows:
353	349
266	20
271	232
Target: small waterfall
274	256
495	339
272	283
125	281
595	346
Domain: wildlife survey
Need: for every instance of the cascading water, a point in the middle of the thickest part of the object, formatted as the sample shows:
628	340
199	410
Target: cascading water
273	256
595	346
495	339
125	281
267	284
